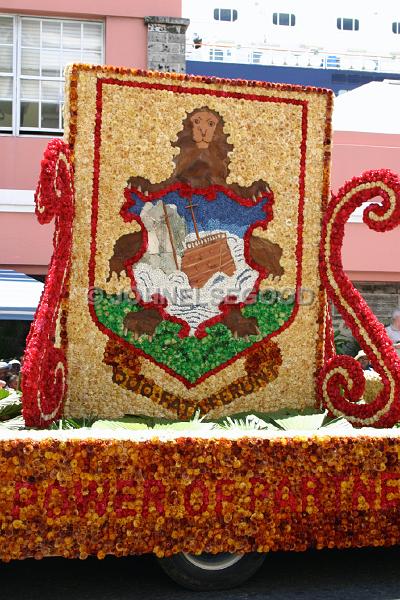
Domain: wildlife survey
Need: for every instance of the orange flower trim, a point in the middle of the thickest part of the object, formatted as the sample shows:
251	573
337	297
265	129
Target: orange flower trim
83	496
262	367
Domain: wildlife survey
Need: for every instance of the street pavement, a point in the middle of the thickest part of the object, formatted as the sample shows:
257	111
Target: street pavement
366	574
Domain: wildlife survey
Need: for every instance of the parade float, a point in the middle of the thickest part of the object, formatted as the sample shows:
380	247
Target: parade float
196	249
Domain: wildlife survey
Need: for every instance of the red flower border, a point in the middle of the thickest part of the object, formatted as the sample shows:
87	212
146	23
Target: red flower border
340	381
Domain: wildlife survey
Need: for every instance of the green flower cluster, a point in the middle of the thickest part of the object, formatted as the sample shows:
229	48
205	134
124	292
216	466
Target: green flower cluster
192	357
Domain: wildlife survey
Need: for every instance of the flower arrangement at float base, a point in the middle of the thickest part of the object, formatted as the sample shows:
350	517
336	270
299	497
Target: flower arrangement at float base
120	492
194	283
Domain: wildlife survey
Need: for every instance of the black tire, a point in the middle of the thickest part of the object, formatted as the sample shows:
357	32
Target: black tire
211	571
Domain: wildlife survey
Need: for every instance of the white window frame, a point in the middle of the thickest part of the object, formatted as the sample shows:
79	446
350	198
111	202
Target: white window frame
10	130
354	21
231	20
256	57
15	130
214	52
292	17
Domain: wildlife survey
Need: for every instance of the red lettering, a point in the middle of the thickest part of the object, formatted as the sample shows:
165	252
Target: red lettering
19	502
154	492
221	496
52	507
91	494
284	496
313	490
121	498
387	488
338	480
262	494
205	497
361	489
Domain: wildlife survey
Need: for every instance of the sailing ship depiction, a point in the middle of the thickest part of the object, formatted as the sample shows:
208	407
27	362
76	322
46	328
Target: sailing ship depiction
203	257
206	256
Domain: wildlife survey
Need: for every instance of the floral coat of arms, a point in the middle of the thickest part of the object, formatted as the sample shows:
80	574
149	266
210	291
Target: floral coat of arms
187	268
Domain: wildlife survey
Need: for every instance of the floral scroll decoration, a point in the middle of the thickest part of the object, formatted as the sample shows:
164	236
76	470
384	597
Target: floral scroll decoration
44	373
341	381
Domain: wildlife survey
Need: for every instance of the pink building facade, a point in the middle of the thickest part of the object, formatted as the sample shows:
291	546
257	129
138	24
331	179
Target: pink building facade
36	39
367	255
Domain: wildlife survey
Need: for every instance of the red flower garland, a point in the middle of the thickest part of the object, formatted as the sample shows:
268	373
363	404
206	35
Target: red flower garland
341	382
44	373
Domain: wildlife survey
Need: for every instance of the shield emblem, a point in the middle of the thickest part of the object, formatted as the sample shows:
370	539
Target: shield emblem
198	260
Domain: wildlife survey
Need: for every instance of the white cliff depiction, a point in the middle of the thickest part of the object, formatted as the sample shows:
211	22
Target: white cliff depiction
159	219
